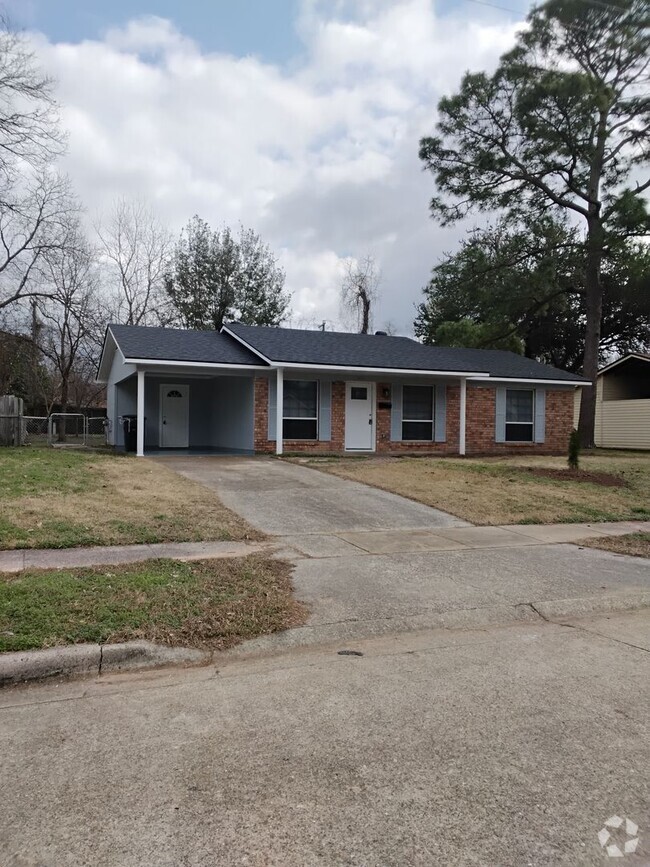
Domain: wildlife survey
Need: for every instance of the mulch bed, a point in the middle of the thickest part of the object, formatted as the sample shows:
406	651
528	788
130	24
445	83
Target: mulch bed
607	480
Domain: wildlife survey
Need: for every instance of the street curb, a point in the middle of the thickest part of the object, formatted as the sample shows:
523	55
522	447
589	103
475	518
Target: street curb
93	659
563	609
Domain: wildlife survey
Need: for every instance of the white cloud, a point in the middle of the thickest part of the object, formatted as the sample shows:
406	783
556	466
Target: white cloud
320	156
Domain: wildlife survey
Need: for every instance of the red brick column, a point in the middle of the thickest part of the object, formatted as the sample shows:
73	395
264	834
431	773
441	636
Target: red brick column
261	420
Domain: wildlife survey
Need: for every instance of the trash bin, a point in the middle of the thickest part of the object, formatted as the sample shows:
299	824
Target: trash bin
130	428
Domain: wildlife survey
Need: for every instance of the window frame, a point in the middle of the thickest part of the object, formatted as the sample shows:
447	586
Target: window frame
530	423
431	421
315	418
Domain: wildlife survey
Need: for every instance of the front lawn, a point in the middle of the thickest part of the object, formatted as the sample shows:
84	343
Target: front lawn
208	603
63	498
511	490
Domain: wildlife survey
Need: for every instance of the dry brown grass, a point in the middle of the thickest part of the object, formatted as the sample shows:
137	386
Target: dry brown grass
502	491
208	603
632	544
62	500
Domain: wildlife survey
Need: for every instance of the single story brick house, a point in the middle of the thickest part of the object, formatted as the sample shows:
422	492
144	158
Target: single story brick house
252	389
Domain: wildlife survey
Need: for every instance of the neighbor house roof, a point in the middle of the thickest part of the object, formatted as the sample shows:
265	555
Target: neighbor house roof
334	349
624	359
178	344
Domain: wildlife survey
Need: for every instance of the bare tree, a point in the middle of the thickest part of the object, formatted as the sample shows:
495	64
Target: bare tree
359	290
136	248
35	202
66	316
33	223
29	126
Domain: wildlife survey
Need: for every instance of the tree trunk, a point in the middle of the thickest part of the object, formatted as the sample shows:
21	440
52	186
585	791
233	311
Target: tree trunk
365	311
63	431
594	311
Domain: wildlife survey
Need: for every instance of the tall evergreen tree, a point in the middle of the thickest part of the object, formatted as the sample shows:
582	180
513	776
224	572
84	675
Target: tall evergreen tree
563	125
216	277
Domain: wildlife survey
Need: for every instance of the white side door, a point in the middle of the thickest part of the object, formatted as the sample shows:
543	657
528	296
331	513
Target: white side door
359	416
174	416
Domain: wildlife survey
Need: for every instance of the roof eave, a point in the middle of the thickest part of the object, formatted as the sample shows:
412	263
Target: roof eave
625	358
175	362
100	377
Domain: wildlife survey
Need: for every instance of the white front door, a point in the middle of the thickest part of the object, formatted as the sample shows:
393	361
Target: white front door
174	416
359	416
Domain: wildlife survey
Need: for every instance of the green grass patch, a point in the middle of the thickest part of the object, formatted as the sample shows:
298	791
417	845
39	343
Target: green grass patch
208	603
56	498
32	472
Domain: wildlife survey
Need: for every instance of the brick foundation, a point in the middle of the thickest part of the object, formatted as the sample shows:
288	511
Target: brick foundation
479	432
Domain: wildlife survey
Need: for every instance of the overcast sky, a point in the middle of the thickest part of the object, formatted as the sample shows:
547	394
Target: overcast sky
298	118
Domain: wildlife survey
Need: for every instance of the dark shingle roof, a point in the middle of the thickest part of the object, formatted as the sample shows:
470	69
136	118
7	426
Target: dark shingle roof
291	345
178	344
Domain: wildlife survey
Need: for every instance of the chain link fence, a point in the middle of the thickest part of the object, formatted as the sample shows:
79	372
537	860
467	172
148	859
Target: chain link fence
57	429
35	430
96	431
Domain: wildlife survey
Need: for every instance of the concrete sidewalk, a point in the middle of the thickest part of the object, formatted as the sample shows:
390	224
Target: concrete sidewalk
113	555
321	545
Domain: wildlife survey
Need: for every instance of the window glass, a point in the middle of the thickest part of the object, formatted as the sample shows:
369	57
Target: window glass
358	393
300	410
417	430
519	415
417	402
300	429
300	399
519	405
417	412
519	433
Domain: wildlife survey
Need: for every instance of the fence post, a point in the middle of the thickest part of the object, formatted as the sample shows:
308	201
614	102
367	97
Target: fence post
11	413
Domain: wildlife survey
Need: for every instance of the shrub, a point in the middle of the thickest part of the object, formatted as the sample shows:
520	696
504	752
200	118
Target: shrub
574	450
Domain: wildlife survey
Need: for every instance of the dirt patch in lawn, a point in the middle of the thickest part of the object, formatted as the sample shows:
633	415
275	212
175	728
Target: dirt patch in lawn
607	480
521	490
207	603
52	498
632	544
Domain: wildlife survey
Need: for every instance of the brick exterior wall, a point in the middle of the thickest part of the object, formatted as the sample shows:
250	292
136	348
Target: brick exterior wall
481	422
265	445
479	431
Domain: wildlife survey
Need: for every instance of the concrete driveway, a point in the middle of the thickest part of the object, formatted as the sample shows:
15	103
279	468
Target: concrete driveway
370	563
281	499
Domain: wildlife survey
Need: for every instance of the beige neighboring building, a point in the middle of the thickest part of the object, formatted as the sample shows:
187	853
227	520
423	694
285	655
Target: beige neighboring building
622	404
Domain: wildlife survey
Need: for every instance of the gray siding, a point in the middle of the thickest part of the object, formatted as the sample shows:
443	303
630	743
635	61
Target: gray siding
118	373
232	413
221	411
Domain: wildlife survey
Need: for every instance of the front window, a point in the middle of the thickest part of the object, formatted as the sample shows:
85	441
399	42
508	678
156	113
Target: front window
519	415
417	412
300	410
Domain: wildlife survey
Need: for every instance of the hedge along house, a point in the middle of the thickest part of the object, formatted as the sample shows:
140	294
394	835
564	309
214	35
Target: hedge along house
328	392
